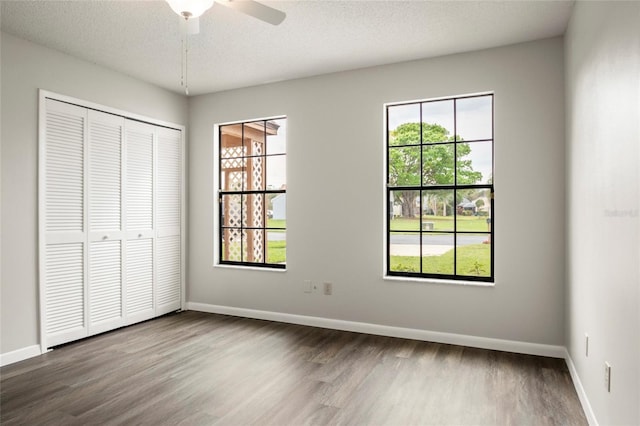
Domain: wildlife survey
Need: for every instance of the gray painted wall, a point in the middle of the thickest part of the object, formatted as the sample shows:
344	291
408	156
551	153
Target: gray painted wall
345	112
27	67
335	151
603	231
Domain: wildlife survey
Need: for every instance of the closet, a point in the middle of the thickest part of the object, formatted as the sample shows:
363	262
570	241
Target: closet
111	213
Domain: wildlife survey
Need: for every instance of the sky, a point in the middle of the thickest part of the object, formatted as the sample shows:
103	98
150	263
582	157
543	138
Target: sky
277	166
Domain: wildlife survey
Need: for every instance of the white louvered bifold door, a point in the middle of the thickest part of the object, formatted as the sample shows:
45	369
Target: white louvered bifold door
63	223
139	221
110	212
105	290
168	216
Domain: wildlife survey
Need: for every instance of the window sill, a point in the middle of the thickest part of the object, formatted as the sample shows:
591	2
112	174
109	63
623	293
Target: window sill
250	268
437	281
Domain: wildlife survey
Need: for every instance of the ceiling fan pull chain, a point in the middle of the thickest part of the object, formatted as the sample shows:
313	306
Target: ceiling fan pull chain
186	64
184	49
182	62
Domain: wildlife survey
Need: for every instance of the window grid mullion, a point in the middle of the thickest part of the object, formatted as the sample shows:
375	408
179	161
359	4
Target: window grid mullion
455	186
245	192
420	193
390	203
221	236
264	197
242	187
455	189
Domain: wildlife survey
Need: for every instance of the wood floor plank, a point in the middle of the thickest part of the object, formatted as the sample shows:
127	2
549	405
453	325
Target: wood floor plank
203	369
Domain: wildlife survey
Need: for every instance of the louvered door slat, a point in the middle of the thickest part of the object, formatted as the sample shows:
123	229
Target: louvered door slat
139	186
169	178
168	273
139	285
105	145
64	174
105	282
64	274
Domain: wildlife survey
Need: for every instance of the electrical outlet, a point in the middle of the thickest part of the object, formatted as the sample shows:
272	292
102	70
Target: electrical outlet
607	376
315	287
307	286
586	345
328	289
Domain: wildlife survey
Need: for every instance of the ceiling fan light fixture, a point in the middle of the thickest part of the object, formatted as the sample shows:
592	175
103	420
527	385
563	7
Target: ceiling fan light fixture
190	8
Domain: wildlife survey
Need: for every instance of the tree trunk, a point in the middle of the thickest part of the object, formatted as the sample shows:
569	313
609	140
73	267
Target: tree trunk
408	204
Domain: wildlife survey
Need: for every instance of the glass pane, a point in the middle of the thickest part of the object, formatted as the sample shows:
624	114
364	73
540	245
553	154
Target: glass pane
277	247
473	255
437	210
277	136
254	138
437	164
437	119
473	210
254	246
437	254
232	174
276	172
474	118
404	166
276	210
405	211
404	252
231	211
255	173
404	124
233	246
231	141
253	211
475	162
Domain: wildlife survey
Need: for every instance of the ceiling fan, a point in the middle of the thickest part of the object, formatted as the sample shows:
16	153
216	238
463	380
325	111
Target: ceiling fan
191	10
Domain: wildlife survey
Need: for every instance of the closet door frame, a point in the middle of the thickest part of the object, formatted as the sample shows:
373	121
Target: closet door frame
42	240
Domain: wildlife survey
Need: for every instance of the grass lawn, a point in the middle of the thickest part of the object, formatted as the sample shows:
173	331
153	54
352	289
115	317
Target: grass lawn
441	223
276	223
276	251
473	260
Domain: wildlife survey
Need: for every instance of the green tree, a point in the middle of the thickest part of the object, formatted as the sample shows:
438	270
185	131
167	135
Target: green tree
437	162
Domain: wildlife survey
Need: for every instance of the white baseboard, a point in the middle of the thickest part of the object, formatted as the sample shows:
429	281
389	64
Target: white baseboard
582	395
385	330
19	355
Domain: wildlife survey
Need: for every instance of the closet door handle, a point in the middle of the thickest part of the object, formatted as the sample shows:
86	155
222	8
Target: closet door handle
105	237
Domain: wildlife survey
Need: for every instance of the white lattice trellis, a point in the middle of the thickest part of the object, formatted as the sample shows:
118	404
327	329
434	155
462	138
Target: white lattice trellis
244	211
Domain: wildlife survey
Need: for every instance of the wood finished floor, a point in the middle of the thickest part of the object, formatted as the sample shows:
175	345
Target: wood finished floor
202	369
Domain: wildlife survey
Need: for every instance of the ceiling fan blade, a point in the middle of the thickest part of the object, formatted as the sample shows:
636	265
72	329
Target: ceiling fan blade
255	9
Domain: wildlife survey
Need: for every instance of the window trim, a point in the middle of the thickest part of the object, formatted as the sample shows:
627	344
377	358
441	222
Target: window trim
218	229
388	198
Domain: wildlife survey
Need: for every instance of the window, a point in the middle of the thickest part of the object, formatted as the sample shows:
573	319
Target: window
440	188
252	193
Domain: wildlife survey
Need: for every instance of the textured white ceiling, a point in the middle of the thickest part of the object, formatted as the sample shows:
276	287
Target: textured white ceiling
143	38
